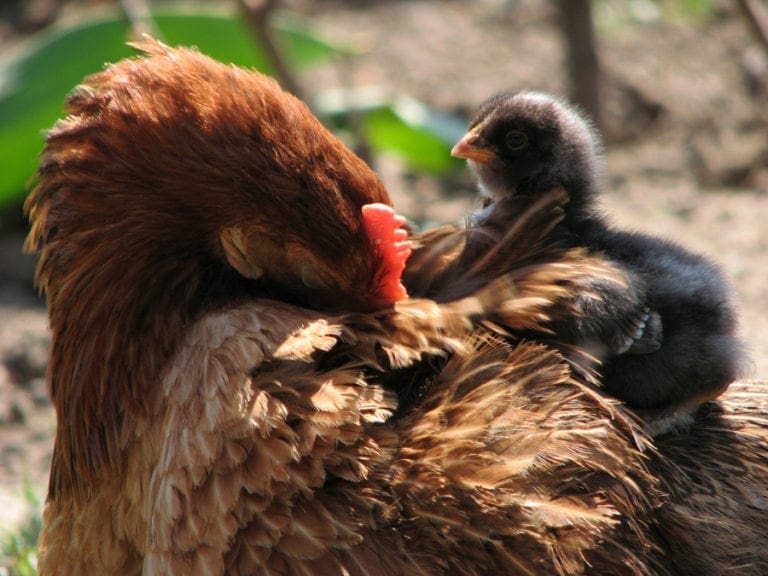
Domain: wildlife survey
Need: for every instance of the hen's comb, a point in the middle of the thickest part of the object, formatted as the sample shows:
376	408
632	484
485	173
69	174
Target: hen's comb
385	230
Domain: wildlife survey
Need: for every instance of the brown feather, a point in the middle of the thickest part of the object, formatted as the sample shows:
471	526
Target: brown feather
715	473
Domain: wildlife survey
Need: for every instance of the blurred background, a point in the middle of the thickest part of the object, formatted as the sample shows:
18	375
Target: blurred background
679	89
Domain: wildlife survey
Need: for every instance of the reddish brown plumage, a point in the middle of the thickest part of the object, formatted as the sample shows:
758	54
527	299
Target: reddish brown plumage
210	425
164	166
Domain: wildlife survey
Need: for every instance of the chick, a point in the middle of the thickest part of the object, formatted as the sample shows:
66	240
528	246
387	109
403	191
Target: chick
666	338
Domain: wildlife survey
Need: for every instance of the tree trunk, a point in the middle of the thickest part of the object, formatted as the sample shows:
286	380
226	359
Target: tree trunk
583	65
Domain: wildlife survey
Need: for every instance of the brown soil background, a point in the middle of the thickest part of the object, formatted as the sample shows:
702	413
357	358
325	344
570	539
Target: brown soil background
687	152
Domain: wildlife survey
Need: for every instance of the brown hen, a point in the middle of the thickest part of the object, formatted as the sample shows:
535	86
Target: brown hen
231	351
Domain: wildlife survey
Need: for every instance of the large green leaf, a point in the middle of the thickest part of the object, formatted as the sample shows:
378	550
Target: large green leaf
33	87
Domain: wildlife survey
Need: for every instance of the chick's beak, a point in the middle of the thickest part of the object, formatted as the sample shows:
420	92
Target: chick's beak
471	148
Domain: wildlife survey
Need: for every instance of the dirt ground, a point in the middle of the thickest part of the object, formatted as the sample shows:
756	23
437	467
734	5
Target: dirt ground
687	153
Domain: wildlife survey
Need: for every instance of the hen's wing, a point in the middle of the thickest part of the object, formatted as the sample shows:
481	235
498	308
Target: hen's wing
509	466
262	411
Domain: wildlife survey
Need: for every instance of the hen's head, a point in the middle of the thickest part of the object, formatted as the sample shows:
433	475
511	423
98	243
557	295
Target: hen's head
175	186
182	160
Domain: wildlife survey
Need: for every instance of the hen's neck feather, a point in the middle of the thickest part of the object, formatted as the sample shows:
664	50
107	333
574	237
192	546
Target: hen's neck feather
117	314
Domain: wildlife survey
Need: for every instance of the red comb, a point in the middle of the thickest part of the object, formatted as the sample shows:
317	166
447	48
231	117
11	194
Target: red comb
384	229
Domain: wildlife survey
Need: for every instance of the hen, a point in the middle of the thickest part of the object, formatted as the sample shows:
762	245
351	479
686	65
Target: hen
242	387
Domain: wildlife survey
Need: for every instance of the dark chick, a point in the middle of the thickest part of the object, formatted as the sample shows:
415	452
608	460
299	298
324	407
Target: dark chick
667	338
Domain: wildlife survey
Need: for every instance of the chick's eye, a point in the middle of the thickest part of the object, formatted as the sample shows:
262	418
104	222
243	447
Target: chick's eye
516	140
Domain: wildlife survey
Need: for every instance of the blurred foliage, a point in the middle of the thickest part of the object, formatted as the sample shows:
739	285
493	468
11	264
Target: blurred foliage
33	86
695	10
18	551
611	15
395	124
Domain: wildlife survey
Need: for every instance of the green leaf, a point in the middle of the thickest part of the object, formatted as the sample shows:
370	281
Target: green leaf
33	87
404	126
420	148
32	91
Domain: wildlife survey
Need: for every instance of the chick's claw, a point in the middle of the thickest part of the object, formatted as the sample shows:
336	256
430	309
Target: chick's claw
650	337
640	334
